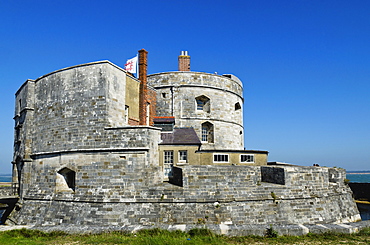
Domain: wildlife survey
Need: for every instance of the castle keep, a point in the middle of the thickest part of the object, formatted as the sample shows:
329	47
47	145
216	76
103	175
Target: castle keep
94	145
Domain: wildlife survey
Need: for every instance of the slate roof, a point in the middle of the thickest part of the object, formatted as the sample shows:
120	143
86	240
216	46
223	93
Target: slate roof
180	136
164	119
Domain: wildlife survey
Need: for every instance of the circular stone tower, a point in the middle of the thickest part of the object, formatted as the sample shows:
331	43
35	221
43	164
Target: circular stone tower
212	104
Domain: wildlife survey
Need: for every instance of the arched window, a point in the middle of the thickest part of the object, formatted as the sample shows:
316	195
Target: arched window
68	179
207	132
237	106
203	103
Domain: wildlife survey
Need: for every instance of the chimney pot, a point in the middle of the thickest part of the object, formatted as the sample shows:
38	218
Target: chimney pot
184	61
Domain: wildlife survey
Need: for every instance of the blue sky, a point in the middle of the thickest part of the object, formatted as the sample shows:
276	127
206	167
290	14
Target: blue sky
304	63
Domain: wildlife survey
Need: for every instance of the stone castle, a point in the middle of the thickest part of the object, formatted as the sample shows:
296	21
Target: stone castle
94	145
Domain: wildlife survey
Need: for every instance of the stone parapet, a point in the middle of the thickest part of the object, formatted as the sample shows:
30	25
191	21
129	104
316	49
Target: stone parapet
230	195
178	79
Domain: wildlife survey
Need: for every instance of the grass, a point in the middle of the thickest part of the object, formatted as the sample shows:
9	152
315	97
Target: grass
157	236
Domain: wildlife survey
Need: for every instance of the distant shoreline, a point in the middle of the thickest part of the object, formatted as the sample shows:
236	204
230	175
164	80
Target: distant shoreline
357	173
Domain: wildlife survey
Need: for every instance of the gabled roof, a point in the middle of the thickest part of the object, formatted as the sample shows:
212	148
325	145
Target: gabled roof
180	136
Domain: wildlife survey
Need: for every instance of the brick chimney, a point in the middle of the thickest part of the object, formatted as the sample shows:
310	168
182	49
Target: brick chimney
184	61
143	64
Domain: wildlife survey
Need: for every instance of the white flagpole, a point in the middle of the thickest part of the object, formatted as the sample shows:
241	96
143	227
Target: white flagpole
137	66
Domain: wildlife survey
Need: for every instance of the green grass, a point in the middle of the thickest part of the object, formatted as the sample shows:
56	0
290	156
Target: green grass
157	236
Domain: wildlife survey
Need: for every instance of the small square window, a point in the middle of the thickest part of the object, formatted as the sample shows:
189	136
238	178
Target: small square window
247	158
221	158
183	156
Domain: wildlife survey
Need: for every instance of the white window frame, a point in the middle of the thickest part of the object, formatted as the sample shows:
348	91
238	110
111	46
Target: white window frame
127	108
186	156
248	156
218	155
205	132
166	155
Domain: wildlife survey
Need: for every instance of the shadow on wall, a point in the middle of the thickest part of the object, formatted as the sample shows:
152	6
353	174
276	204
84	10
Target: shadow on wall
6	207
361	192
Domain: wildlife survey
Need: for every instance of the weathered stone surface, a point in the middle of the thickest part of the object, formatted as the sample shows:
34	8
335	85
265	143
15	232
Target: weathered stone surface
181	90
210	195
79	162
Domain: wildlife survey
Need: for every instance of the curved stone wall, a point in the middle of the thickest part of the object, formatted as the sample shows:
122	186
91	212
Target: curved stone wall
202	79
230	195
77	103
176	96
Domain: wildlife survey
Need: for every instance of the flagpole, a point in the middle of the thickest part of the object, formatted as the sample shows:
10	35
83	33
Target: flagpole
137	66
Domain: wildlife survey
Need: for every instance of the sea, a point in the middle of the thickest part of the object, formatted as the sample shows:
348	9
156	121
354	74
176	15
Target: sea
5	178
358	176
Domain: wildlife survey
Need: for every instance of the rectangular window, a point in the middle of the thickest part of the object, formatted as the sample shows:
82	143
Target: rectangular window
220	157
204	134
126	113
183	156
200	105
168	157
244	158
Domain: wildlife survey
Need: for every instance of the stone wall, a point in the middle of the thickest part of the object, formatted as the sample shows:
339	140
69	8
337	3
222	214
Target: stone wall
77	103
80	163
231	195
24	114
176	96
121	165
6	191
196	78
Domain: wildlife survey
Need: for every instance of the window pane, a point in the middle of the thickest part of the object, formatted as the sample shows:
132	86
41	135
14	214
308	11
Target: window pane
220	158
183	156
246	158
204	134
200	104
168	156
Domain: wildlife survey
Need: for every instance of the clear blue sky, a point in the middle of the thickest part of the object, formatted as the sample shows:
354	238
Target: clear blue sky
304	63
